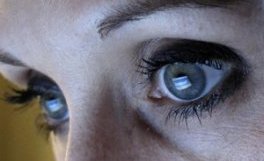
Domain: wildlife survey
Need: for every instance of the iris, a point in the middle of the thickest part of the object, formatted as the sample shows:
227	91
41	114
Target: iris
54	105
185	81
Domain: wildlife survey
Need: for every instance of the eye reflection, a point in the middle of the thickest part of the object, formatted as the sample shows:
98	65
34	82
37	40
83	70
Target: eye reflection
186	82
182	82
54	106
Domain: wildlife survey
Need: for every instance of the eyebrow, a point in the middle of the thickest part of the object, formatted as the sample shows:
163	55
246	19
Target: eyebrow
9	59
136	10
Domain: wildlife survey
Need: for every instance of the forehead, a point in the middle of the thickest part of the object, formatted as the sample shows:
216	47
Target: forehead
34	9
39	11
49	18
75	5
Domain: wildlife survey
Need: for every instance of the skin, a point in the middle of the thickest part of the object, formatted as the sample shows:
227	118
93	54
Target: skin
112	116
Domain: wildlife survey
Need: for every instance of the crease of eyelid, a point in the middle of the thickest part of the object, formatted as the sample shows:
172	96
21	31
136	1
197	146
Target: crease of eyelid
139	9
7	58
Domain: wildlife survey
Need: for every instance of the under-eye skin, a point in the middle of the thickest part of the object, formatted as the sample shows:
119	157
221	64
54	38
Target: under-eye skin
52	102
195	75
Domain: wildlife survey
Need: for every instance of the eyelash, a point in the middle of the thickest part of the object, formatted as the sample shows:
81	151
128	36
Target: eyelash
190	109
149	66
23	98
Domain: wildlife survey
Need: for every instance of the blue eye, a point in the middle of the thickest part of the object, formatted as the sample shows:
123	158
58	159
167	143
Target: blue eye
189	82
185	81
190	76
54	106
52	101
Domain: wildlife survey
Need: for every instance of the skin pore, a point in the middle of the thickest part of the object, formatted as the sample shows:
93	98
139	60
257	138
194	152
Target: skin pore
112	117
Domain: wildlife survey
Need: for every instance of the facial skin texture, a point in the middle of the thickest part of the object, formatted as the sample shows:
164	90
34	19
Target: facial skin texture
111	117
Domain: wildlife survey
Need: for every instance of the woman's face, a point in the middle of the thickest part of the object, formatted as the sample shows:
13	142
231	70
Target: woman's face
158	80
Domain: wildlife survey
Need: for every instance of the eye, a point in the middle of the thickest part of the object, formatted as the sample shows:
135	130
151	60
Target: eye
188	82
52	102
191	76
54	106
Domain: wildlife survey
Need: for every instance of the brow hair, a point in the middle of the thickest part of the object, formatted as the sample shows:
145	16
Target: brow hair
137	9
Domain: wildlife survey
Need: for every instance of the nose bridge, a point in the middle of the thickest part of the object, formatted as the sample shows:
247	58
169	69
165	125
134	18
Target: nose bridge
93	124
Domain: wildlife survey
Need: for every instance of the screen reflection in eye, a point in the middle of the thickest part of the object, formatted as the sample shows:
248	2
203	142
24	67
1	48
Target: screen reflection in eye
195	75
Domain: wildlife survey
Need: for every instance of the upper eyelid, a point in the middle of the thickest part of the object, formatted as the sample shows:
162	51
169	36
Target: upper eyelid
181	47
153	55
7	58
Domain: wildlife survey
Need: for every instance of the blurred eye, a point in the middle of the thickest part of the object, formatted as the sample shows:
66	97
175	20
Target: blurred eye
52	102
188	82
54	106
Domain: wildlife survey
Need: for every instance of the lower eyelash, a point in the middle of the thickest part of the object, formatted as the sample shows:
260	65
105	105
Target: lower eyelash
196	108
43	127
